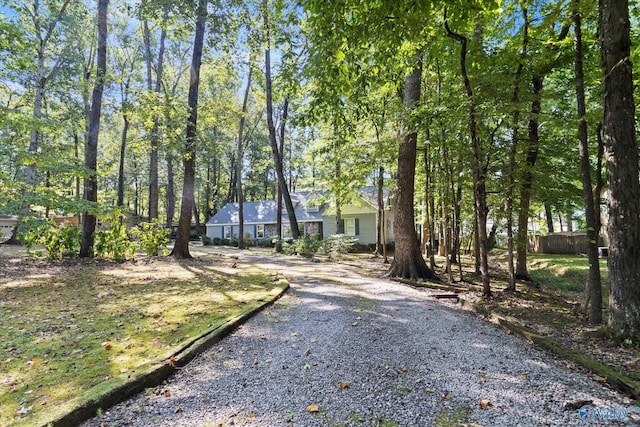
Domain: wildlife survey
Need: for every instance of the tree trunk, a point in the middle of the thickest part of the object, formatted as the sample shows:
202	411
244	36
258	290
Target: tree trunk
76	150
408	262
515	99
277	156
181	246
381	245
527	181
549	216
593	294
155	131
91	149
123	147
239	156
622	168
171	195
479	185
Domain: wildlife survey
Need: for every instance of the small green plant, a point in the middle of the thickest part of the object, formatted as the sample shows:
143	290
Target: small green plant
153	237
206	240
112	241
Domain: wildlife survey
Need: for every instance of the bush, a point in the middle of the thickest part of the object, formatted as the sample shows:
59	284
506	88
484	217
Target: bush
337	245
305	246
58	241
153	237
265	242
217	241
113	241
206	240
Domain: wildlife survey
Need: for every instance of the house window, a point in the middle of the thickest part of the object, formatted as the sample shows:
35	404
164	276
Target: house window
286	232
226	232
351	227
259	231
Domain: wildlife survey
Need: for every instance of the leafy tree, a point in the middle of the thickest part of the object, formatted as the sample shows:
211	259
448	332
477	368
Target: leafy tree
181	247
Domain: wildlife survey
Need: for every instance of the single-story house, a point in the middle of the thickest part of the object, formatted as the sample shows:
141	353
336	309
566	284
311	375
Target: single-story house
314	216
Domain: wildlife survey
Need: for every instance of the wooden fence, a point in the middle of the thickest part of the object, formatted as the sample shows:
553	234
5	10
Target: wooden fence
560	243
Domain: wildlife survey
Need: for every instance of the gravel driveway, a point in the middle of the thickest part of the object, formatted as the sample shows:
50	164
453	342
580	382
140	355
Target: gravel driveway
343	350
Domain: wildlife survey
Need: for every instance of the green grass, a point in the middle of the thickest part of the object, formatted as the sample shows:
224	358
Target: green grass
71	326
564	273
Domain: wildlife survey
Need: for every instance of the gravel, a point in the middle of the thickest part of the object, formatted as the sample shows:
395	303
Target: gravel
343	350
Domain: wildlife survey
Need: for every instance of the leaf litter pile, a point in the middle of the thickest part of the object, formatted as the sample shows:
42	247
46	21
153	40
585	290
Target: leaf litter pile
68	326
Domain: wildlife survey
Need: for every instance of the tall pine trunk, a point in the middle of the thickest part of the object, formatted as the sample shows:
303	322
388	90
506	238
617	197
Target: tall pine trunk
622	168
91	149
181	246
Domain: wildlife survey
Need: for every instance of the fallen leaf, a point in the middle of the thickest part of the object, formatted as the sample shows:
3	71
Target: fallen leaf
484	404
307	351
251	415
314	340
33	362
172	361
524	377
107	345
354	324
403	370
343	385
313	408
167	393
446	396
601	379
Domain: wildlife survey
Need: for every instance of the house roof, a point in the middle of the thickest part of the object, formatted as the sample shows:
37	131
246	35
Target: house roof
265	212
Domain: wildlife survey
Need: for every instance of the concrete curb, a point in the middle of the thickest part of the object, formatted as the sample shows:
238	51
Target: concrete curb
118	389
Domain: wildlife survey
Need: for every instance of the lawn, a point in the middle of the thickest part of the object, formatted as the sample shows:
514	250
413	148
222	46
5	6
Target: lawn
564	273
72	325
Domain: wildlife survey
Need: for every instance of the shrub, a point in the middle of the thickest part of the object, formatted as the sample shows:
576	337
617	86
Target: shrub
58	241
265	242
217	241
206	240
153	237
113	241
305	246
337	245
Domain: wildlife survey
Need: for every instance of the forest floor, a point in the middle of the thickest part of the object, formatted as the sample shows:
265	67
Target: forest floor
548	308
